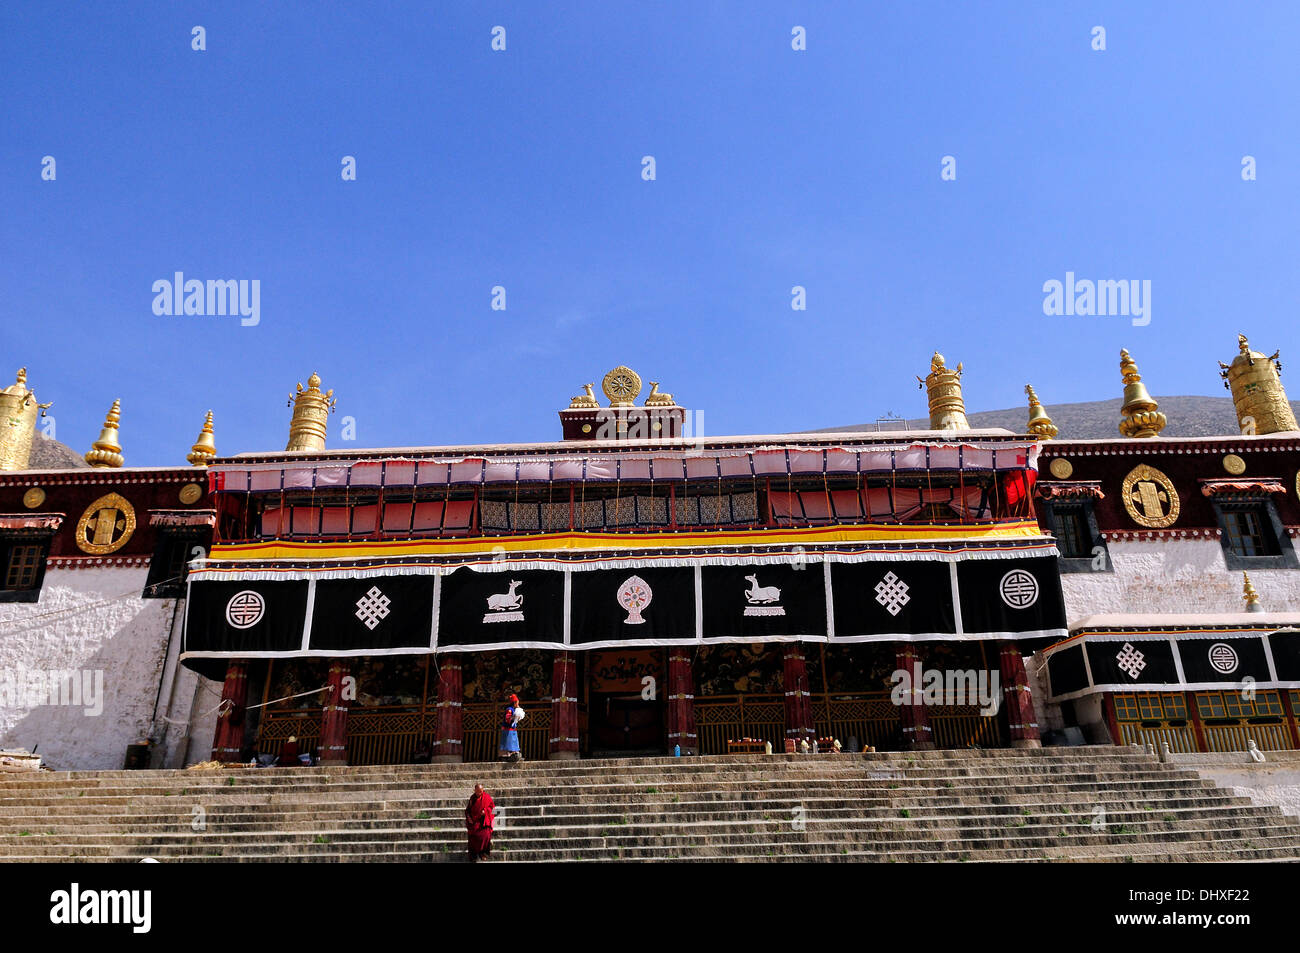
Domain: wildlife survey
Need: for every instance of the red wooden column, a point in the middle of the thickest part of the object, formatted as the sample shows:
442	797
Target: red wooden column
1017	698
681	703
449	746
912	713
564	707
228	742
798	700
334	717
1198	727
1289	710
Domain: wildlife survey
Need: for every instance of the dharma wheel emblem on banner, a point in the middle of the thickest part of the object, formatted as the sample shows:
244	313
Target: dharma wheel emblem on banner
106	526
1150	497
634	595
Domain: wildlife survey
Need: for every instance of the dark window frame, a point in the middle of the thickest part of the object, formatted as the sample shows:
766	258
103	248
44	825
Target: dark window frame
1271	523
161	583
8	542
1055	511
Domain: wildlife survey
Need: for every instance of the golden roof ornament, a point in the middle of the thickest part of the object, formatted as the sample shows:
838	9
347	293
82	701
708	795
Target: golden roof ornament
943	388
1256	385
311	410
1140	416
205	448
1039	423
622	385
584	400
18	413
657	398
107	450
1249	594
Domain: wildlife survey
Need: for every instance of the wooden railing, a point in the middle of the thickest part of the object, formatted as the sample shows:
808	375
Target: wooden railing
482	731
1181	739
719	718
1274	737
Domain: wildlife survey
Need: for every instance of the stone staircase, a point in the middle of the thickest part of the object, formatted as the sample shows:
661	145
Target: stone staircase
1097	803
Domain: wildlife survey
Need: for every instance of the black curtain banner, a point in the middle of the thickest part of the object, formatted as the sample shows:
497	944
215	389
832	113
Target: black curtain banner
631	605
1066	672
1230	661
1140	662
245	616
490	608
754	602
886	597
1016	595
390	612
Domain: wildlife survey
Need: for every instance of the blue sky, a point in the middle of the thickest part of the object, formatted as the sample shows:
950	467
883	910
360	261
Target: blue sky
522	168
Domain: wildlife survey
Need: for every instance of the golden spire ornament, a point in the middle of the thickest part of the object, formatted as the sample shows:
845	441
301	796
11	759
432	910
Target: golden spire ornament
1039	423
107	450
1256	385
1140	416
311	410
205	448
943	388
1249	594
18	413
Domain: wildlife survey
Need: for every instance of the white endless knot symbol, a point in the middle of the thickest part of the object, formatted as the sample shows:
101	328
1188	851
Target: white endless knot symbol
1131	660
245	609
891	592
1019	589
372	608
1223	658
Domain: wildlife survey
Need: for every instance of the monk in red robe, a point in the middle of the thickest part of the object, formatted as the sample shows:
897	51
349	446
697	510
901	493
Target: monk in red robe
479	816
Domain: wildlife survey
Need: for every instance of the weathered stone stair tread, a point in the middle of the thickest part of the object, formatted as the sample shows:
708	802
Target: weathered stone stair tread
924	806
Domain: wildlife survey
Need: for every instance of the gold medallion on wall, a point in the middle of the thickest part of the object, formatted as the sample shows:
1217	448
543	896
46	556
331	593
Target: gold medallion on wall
1234	464
1150	497
1061	468
33	498
190	493
106	525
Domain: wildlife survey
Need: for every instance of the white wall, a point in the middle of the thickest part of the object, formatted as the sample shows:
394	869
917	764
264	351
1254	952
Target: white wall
1175	576
90	621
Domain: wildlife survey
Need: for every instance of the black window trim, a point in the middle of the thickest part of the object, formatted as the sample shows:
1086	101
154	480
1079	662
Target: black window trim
1234	561
1078	563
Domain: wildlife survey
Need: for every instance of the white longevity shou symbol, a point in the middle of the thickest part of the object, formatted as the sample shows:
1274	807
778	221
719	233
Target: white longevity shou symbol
1131	660
891	592
372	608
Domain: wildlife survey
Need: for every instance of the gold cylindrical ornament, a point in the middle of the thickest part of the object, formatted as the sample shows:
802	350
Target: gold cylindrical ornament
311	410
1257	392
943	388
18	413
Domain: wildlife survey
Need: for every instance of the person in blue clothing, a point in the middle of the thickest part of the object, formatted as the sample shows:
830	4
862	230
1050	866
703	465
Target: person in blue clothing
509	748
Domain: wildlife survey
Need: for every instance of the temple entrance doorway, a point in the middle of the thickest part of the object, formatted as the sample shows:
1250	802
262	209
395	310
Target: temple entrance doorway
625	703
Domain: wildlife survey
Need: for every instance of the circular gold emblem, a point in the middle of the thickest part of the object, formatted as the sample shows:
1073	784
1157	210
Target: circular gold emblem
621	386
106	525
1150	497
1234	464
33	498
190	493
1061	468
586	428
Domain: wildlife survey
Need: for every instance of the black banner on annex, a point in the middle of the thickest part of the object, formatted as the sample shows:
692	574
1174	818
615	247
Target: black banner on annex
884	598
744	603
389	612
1224	660
1139	662
648	605
1286	654
245	617
518	607
1066	671
1011	596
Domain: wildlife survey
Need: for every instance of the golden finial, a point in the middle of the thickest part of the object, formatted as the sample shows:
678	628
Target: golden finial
18	413
657	398
311	410
1139	415
1249	594
205	448
943	388
107	450
587	399
1256	385
1039	423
